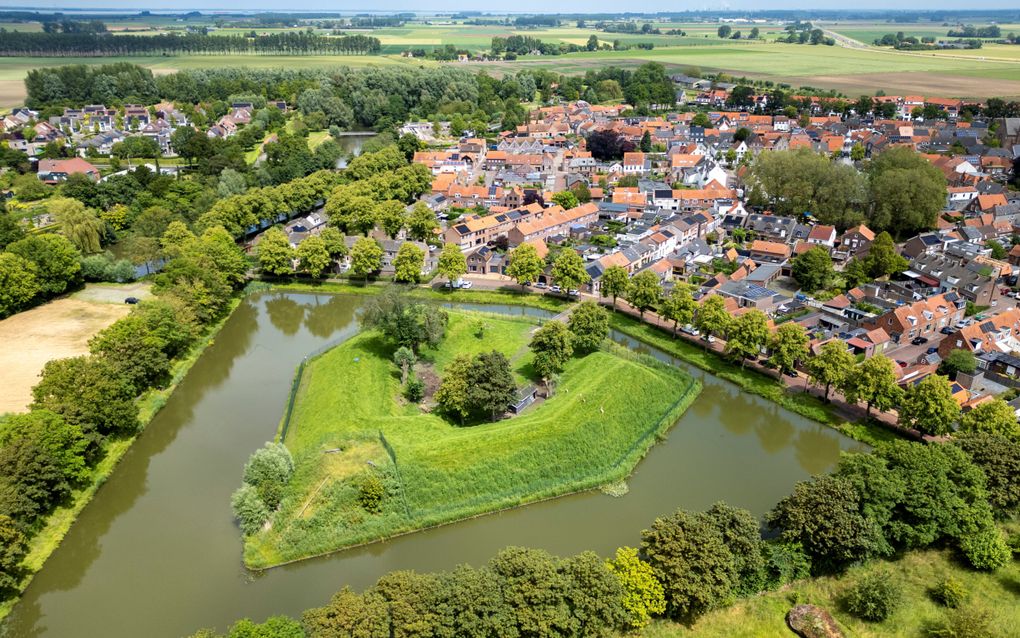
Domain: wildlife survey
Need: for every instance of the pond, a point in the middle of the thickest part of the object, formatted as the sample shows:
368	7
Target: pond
157	554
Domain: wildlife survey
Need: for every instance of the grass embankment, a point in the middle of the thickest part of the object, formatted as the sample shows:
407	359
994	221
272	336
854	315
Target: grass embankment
917	572
59	522
606	412
802	403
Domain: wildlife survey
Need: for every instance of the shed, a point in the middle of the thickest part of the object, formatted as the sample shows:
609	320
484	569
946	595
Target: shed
526	395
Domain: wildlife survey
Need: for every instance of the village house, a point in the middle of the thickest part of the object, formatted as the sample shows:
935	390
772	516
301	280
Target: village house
998	333
924	318
53	171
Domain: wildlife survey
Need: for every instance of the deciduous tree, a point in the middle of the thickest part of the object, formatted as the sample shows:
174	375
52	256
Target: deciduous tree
747	335
408	263
525	264
679	307
994	417
552	346
788	345
452	262
929	406
831	366
366	257
568	270
276	257
873	381
644	291
615	283
712	318
589	323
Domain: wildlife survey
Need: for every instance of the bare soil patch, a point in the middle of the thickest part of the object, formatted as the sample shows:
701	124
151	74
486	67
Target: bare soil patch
12	93
58	329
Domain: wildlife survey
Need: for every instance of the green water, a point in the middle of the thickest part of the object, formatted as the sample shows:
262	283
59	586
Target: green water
157	554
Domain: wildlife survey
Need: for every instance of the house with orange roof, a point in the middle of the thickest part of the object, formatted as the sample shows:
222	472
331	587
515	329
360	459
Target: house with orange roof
856	241
769	251
998	333
923	318
635	163
553	221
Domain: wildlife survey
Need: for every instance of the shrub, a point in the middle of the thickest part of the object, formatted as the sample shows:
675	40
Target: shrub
371	492
414	391
268	470
784	563
643	595
249	509
949	592
966	622
874	597
986	550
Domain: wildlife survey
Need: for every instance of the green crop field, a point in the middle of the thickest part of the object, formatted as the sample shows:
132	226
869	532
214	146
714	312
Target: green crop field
606	412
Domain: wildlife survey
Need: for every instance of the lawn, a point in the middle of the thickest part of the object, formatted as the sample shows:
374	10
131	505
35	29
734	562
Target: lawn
606	412
917	572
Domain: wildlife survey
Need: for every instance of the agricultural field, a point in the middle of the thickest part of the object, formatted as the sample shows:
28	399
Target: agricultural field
606	412
868	32
55	330
917	572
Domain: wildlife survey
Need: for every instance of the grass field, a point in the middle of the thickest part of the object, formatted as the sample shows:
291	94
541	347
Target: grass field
605	413
917	572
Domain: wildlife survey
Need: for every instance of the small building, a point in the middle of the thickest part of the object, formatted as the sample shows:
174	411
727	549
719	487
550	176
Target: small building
525	396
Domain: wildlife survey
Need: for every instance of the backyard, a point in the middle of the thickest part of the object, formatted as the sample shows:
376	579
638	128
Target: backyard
607	409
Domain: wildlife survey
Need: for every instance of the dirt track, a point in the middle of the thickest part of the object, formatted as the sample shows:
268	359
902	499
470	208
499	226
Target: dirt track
54	330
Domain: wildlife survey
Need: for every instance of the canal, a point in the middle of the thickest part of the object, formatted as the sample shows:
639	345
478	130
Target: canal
157	554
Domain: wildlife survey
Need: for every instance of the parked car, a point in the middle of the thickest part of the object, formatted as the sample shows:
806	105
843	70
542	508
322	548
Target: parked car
541	285
901	363
919	341
709	338
573	292
946	331
690	330
931	350
466	284
132	300
555	288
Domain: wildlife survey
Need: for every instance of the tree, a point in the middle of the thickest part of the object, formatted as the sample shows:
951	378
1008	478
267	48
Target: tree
79	224
333	239
452	394
712	317
132	349
491	386
929	406
831	366
679	307
993	417
907	192
10	230
957	361
57	268
999	459
422	223
366	257
276	257
535	590
593	43
408	263
644	291
566	199
90	393
268	470
13	549
568	270
643	595
615	283
824	516
882	257
405	359
177	236
313	258
724	31
52	435
351	212
392	216
452	262
689	557
787	346
874	382
18	284
747	335
249	510
813	268
646	142
525	264
552	347
589	324
406	322
801	181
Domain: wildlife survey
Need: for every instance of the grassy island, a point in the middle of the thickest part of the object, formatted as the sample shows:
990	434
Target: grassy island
352	432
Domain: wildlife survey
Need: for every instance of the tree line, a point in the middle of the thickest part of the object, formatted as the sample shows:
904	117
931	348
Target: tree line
899	497
93	44
82	404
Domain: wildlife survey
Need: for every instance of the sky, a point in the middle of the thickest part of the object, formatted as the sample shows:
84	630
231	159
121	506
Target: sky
541	6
